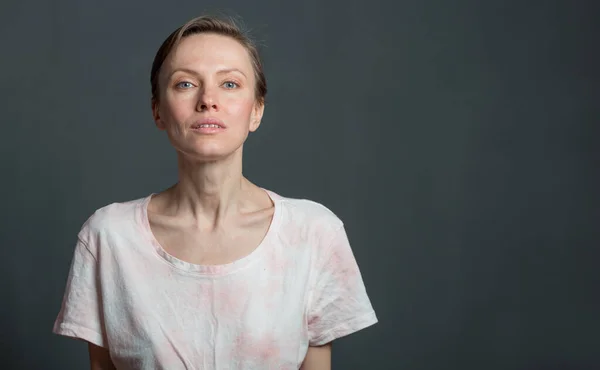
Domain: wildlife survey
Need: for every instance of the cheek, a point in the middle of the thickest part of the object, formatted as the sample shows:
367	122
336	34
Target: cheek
240	108
178	109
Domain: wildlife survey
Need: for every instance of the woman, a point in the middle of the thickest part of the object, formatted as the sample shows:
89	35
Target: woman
214	272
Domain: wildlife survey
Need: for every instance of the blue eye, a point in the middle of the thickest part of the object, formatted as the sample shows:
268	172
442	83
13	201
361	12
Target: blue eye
184	85
230	85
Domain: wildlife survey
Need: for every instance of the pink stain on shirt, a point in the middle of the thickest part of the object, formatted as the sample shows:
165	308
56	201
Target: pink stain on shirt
230	299
261	351
158	313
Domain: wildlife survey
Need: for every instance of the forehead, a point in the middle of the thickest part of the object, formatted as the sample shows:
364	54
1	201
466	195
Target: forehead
209	51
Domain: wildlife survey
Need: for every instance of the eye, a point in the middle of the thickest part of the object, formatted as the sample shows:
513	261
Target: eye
184	85
230	85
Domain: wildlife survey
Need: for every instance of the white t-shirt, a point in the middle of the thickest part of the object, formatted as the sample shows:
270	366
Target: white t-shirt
301	286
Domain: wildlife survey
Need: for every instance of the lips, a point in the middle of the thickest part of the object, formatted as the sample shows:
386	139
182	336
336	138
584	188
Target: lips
208	122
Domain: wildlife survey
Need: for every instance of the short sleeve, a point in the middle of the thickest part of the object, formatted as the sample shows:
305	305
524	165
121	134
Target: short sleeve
338	304
80	314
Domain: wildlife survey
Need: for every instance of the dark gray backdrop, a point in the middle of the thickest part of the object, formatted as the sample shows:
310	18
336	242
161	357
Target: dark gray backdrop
456	139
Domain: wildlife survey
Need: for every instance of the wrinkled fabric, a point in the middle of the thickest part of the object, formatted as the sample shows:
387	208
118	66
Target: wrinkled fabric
301	286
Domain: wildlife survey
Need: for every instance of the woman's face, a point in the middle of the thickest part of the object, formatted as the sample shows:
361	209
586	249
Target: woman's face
207	79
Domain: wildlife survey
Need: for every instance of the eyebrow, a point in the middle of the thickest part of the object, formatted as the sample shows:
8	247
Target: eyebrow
219	72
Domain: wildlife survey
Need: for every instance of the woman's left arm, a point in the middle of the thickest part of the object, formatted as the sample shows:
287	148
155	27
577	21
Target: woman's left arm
317	358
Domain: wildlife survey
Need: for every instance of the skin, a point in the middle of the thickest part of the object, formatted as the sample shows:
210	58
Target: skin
317	358
99	358
212	199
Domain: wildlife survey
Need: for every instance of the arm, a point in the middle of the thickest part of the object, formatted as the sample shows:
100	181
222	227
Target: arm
100	358
317	358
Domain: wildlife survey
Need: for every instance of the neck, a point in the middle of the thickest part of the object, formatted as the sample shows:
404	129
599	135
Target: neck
209	192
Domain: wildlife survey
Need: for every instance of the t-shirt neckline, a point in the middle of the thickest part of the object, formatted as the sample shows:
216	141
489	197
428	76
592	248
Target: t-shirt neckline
211	270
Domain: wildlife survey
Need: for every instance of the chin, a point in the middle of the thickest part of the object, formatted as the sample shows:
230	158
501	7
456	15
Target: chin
208	151
208	155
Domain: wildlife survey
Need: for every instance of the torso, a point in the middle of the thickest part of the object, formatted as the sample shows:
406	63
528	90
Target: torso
230	242
156	311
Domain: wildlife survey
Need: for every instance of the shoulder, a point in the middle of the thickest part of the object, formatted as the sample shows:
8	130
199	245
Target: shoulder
111	218
307	217
306	210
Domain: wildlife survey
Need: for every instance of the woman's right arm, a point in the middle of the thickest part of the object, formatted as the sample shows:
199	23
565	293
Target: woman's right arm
100	358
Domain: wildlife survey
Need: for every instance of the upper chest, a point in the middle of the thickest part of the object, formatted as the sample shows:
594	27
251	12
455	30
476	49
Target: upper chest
224	245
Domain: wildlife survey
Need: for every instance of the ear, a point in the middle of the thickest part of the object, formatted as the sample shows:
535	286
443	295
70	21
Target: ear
257	114
156	115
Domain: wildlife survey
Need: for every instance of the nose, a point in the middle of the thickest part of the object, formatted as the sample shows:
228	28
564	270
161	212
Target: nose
207	101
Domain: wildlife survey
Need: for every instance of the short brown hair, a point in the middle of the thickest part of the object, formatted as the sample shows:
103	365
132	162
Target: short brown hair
209	24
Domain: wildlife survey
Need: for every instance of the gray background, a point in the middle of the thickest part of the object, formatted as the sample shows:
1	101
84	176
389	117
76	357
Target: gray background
456	139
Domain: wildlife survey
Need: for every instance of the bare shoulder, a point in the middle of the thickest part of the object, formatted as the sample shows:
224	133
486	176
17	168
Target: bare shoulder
261	199
258	207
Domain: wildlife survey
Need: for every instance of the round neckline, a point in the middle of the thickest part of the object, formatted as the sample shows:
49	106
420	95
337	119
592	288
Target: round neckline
211	270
